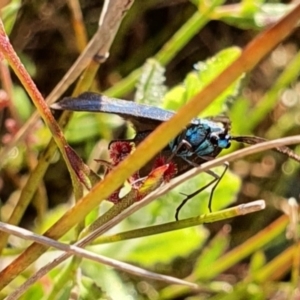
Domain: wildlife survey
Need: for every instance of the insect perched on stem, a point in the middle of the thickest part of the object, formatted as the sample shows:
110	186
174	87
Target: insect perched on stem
202	140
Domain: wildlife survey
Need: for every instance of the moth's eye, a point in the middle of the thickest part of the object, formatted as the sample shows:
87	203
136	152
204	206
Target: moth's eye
214	138
227	145
224	144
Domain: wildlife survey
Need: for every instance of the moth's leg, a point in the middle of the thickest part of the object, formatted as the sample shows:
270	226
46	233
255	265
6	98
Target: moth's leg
215	181
178	147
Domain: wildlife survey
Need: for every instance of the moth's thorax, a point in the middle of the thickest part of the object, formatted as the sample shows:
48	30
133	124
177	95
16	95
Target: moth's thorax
203	138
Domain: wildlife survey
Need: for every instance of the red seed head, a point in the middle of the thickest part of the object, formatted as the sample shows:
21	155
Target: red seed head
119	150
170	172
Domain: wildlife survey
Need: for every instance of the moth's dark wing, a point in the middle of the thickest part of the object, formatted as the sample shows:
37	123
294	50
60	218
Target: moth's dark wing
252	140
143	117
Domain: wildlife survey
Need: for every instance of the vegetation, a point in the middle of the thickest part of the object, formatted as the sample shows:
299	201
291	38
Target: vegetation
202	58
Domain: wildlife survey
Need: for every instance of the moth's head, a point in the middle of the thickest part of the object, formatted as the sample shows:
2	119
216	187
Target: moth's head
220	136
220	139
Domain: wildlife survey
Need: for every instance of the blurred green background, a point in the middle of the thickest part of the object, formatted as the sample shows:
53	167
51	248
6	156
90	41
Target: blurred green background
179	50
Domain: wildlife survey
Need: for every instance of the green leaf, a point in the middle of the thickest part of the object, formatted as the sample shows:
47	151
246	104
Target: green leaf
271	12
258	260
203	74
108	280
163	248
252	14
84	126
216	247
22	103
89	290
9	14
150	87
34	292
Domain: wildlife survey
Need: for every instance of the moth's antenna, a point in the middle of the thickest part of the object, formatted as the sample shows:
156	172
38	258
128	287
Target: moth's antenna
252	140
